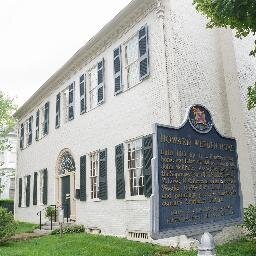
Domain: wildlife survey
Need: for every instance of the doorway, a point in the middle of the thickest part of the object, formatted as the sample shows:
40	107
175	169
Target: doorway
65	195
65	184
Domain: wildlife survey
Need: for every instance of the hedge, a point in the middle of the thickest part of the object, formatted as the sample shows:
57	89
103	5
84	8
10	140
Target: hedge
8	204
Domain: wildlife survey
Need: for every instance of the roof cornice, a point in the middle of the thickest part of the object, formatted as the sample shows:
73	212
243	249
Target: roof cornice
119	25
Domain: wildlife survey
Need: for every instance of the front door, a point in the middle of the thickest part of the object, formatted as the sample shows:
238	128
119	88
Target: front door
65	195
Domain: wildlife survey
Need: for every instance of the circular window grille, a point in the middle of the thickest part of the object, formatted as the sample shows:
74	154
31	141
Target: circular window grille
66	164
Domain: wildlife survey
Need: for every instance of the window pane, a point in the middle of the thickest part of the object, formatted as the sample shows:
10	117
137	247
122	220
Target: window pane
133	74
132	50
93	78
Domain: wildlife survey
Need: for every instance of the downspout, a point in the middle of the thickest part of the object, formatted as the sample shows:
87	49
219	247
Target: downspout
161	16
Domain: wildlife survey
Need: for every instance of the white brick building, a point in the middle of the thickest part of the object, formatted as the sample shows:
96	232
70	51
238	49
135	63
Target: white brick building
8	167
165	60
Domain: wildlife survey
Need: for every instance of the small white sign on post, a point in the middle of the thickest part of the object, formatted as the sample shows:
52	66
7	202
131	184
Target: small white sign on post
61	220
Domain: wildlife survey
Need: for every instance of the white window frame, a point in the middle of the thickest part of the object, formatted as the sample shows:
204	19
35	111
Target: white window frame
133	146
94	175
127	66
24	186
26	133
40	187
41	121
92	96
64	111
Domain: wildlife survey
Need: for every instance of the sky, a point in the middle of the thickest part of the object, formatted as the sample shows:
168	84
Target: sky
38	36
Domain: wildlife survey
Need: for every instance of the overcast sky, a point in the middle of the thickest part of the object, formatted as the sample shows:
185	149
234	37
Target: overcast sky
39	36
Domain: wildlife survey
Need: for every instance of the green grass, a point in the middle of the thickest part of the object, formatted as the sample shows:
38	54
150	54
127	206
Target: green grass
24	227
86	245
93	245
243	247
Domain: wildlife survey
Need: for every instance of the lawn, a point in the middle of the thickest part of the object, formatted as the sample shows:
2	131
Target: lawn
93	245
24	227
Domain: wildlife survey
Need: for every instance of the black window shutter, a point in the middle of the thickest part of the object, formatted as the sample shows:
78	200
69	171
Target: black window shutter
82	94
143	52
37	125
71	101
30	120
22	136
103	189
120	182
45	186
118	70
57	120
83	178
46	118
147	147
35	189
28	191
20	192
101	81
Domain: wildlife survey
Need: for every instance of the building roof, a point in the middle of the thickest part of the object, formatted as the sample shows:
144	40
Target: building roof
105	36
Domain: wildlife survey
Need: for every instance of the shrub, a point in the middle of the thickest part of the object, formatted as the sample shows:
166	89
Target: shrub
50	211
250	219
7	204
7	225
69	230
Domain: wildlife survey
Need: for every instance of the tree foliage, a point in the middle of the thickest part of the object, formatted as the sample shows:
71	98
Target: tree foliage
7	121
239	15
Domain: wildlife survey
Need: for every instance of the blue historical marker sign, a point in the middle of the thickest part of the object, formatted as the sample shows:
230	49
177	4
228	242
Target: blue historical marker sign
195	178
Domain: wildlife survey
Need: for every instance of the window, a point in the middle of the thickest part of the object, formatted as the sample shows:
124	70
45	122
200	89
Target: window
132	61
71	98
57	120
68	102
28	131
82	83
94	174
44	120
24	191
41	186
12	188
37	124
22	136
96	92
136	64
135	168
93	89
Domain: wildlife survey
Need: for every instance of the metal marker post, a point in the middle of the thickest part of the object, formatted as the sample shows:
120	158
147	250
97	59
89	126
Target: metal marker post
207	246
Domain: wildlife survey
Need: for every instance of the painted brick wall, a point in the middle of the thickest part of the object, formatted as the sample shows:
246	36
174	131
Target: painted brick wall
246	73
207	66
196	72
120	118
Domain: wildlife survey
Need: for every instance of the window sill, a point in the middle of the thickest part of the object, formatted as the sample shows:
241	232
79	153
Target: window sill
136	198
125	88
98	105
95	200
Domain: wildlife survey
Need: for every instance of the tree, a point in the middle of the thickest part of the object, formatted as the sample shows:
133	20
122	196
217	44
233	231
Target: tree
239	15
7	123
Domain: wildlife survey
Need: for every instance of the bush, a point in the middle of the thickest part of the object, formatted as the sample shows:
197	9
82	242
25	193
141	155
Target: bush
69	230
7	204
50	211
250	219
7	225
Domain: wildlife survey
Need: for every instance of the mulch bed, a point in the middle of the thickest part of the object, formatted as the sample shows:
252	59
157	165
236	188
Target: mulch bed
27	236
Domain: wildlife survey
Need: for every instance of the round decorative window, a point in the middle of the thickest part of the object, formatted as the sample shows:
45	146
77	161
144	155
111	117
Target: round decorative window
66	164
